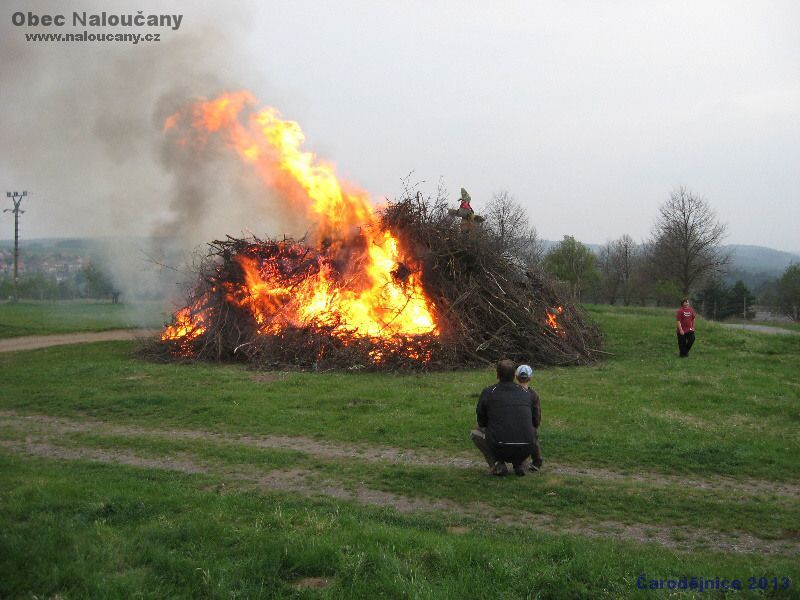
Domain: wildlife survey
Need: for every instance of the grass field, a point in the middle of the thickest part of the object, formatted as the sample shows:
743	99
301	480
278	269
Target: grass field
41	318
123	477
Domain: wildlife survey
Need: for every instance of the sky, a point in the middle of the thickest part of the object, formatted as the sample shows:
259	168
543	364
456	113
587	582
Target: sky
589	113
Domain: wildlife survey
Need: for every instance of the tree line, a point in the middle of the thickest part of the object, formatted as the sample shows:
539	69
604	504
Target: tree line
683	257
88	283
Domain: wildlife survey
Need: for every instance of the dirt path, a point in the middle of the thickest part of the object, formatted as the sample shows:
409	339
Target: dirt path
34	342
307	484
761	328
56	425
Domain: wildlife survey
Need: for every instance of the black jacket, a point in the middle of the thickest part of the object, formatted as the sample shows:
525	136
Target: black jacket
507	412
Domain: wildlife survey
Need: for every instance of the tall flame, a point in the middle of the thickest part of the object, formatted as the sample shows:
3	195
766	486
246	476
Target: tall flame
365	297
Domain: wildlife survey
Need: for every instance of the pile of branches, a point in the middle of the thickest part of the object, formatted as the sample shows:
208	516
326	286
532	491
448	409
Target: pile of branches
488	305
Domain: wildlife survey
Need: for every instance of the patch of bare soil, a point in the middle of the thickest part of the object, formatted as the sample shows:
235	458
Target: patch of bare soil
458	530
742	487
305	483
103	456
312	583
266	377
35	342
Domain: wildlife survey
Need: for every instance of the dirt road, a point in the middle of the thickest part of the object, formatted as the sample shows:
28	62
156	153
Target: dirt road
761	328
34	342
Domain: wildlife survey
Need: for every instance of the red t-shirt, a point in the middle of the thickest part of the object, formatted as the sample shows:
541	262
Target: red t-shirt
686	316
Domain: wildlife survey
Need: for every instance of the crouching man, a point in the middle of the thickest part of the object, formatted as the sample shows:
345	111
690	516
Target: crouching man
505	423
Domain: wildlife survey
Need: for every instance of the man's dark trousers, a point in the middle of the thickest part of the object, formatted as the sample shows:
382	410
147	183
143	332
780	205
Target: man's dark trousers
685	342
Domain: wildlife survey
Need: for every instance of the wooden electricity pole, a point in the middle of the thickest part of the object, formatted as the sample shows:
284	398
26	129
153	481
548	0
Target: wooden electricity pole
16	198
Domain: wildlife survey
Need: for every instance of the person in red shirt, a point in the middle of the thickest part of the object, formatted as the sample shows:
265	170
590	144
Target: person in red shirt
465	206
465	211
685	324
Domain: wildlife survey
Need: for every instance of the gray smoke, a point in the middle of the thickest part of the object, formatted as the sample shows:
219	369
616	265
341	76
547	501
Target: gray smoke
82	130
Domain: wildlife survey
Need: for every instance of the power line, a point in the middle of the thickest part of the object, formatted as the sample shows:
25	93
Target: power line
16	198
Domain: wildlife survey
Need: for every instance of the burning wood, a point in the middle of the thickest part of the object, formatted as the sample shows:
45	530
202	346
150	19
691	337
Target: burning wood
401	288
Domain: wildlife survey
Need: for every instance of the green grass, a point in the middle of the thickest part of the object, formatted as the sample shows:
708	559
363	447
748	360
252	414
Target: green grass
43	318
84	530
732	410
557	496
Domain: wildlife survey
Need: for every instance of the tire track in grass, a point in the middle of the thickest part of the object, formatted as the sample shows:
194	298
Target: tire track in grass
306	483
400	456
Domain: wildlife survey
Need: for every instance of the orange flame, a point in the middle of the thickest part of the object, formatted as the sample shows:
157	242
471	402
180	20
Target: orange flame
552	319
366	297
187	325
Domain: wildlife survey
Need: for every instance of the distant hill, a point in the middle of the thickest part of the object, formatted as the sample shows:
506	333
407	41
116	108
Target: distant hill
758	259
754	265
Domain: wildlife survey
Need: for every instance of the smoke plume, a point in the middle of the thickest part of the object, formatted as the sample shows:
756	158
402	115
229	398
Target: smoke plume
83	131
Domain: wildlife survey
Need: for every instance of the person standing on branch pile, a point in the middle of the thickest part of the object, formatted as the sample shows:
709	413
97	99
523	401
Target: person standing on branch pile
685	324
505	423
464	208
466	212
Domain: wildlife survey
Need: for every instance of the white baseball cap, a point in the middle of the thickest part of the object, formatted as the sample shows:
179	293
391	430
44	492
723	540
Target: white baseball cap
524	372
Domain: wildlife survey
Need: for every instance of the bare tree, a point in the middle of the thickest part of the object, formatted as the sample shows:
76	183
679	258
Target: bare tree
508	221
531	248
618	262
504	216
609	278
638	287
687	240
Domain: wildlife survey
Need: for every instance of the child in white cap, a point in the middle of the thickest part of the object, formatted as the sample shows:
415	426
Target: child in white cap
524	375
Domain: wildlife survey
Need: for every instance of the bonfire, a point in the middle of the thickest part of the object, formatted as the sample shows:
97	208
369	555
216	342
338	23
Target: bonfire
400	287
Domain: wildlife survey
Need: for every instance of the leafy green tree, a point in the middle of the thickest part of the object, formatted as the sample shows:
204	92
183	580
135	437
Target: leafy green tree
718	301
741	301
68	289
6	288
768	293
98	284
574	263
712	300
665	292
789	292
38	287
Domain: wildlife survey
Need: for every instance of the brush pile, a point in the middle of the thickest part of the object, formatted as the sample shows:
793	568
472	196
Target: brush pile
487	304
490	305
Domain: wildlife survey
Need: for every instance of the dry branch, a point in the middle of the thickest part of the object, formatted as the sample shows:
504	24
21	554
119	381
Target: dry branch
488	305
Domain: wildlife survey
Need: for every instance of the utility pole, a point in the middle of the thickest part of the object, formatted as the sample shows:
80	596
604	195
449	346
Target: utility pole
16	198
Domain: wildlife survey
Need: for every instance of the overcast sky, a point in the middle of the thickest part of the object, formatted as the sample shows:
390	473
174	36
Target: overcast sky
589	113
